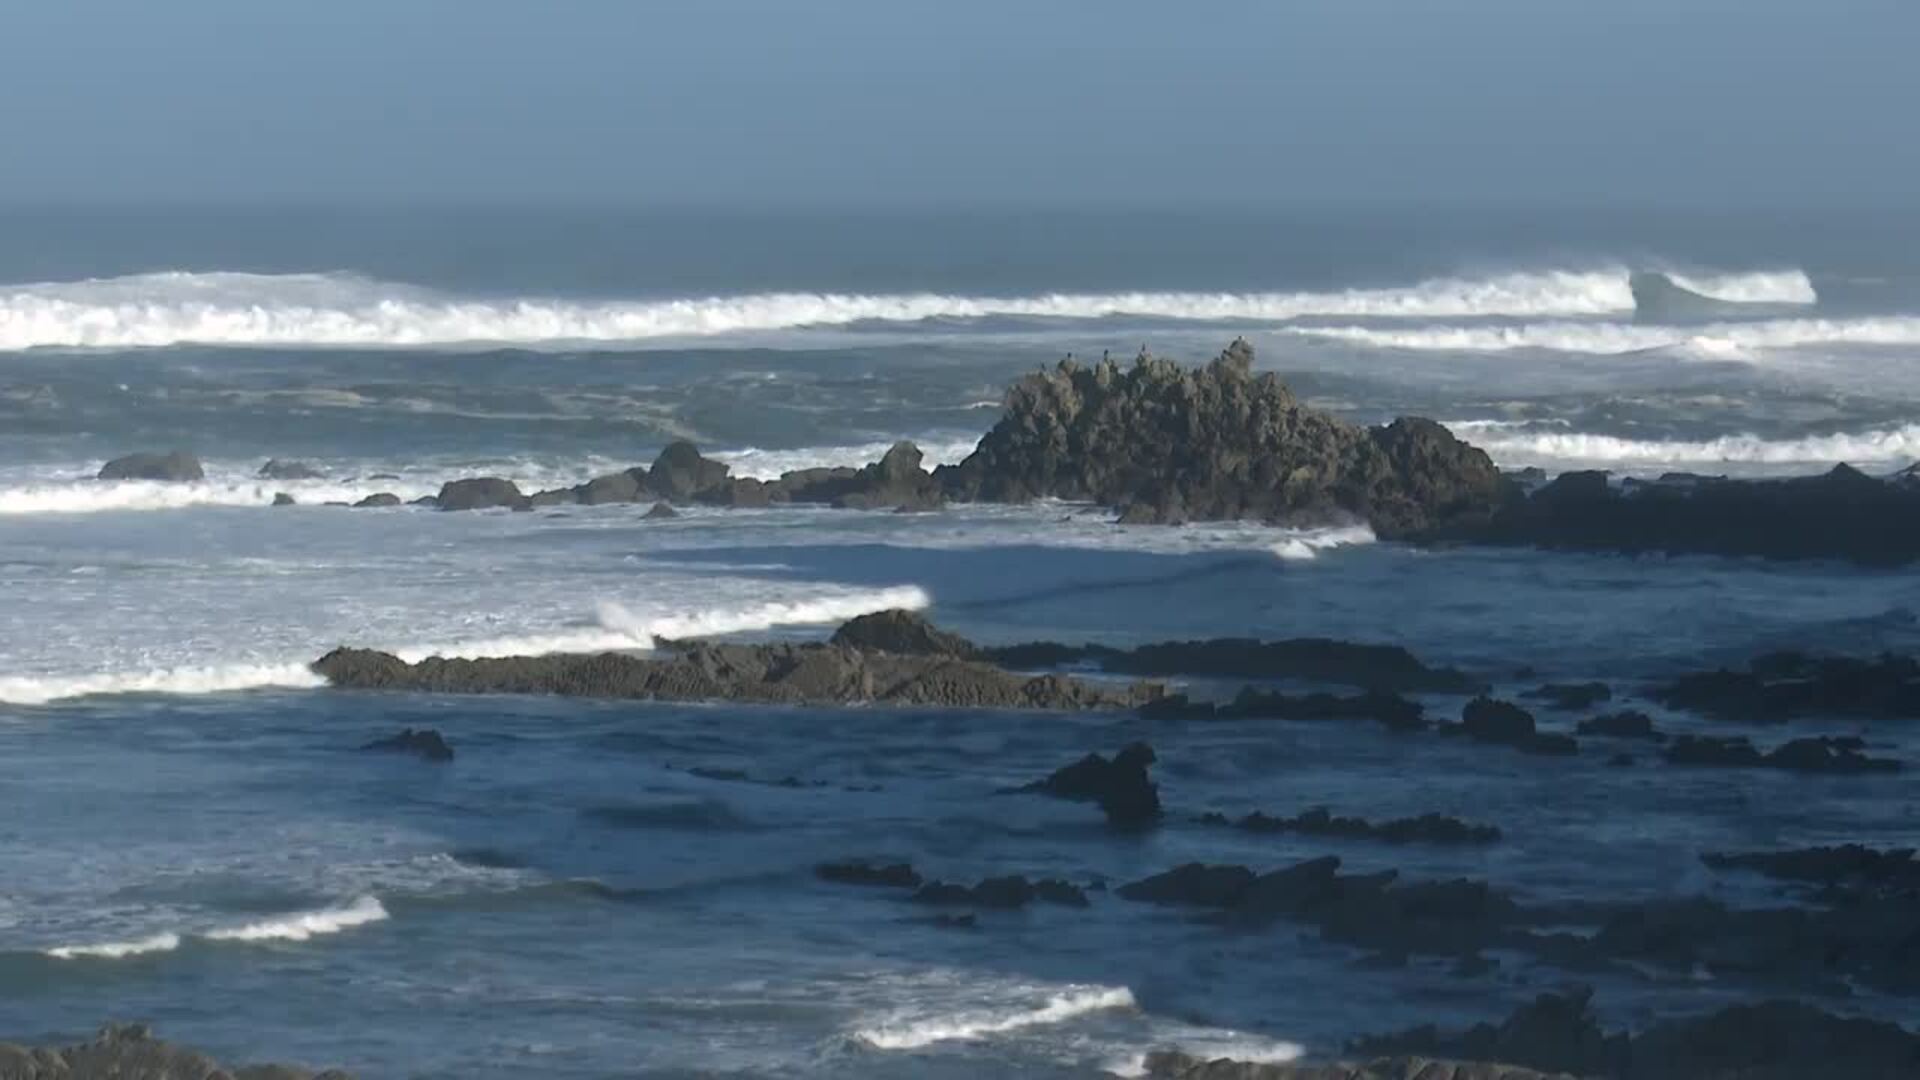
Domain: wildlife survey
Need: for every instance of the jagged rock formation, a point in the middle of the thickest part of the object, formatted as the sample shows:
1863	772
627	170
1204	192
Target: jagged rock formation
177	467
1121	786
130	1052
1165	443
811	674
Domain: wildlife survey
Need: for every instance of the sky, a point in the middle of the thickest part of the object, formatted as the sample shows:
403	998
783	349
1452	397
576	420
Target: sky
964	102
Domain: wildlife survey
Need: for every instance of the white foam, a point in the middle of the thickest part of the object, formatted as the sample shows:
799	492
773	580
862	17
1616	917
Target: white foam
305	925
619	628
758	464
1216	1046
1755	287
116	950
1309	543
41	689
97	496
1507	446
340	310
910	1034
1714	339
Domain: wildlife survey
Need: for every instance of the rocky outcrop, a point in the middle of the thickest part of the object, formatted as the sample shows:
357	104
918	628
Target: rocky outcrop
1384	668
1814	754
377	500
281	498
1789	685
1425	829
423	743
481	493
1165	443
809	674
279	469
1570	697
1774	1040
1121	786
1489	720
908	633
1626	724
1844	870
1843	514
1004	893
130	1052
177	467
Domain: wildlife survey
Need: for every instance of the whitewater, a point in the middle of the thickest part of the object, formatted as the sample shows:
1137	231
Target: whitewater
350	311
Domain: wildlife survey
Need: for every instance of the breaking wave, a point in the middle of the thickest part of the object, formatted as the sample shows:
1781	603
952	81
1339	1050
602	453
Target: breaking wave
100	496
912	1034
1610	337
1309	543
299	926
41	689
349	311
755	463
616	628
1512	447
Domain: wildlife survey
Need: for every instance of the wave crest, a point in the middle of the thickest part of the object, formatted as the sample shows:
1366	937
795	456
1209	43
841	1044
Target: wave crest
1508	446
910	1034
349	311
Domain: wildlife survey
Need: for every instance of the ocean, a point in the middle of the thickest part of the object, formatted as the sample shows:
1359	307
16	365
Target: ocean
188	836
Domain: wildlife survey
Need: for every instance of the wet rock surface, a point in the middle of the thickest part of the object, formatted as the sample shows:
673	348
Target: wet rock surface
1120	785
174	467
131	1052
1165	443
1790	685
1424	829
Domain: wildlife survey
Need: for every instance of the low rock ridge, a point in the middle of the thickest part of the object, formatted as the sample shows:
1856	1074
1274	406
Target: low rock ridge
126	1051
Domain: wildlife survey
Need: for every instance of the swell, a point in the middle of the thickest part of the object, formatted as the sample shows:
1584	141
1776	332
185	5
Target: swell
296	926
1507	445
341	310
1719	338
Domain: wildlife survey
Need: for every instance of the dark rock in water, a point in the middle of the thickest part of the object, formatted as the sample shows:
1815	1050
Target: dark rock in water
1843	514
130	1052
814	674
620	487
1489	720
378	499
906	632
1385	668
177	466
681	473
1193	885
1850	865
1620	761
1168	443
423	743
896	481
481	493
1774	1040
1628	724
1425	829
281	498
1788	685
1390	710
1821	754
1571	696
276	469
891	876
1121	786
1004	893
660	512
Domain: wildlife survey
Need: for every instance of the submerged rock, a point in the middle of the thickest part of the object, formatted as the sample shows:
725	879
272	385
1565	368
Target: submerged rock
1003	893
176	466
1849	865
1570	696
130	1052
890	876
1178	1065
423	743
1382	668
1489	720
1818	754
1789	685
1628	724
1166	443
1425	829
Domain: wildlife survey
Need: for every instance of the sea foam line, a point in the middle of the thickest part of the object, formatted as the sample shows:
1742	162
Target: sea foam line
298	926
1713	339
1884	445
210	679
913	1034
343	310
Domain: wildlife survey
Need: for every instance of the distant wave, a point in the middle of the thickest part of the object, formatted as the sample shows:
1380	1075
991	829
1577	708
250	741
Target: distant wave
349	311
1510	446
916	1033
1759	287
617	628
298	926
1611	337
101	496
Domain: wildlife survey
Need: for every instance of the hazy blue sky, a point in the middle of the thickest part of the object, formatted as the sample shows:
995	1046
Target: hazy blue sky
976	101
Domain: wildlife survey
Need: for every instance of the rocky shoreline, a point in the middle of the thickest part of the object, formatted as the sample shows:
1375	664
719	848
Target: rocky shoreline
131	1052
1160	443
